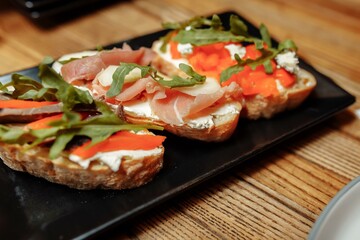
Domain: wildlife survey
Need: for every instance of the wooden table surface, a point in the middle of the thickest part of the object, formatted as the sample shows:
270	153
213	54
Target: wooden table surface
281	194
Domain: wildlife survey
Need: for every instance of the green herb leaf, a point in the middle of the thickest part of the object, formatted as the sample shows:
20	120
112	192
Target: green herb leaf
27	88
259	44
4	89
60	143
177	81
99	48
287	44
171	25
265	35
267	55
268	66
165	40
11	135
237	26
227	73
216	22
207	36
119	77
66	93
47	60
97	128
67	60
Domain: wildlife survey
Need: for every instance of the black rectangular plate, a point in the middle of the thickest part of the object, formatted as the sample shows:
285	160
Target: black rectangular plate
34	208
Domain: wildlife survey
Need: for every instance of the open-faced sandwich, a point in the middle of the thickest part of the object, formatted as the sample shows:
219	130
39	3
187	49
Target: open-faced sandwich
87	149
187	104
270	77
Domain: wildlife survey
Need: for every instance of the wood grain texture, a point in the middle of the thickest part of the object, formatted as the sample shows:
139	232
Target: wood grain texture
280	194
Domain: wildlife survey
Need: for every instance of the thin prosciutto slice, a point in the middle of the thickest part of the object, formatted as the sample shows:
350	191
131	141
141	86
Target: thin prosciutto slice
87	68
176	105
130	92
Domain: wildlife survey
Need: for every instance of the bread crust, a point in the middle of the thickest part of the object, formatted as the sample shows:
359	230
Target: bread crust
223	127
258	106
132	172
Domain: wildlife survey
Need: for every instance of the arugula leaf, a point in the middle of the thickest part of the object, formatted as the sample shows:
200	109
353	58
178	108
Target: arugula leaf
66	93
60	143
287	44
237	26
268	66
68	60
27	88
125	68
4	89
195	22
216	22
11	135
266	56
177	81
207	36
265	35
97	128
119	77
227	73
165	40
204	31
52	88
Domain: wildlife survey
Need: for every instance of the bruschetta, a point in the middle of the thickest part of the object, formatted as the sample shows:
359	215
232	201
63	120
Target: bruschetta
270	77
188	104
90	149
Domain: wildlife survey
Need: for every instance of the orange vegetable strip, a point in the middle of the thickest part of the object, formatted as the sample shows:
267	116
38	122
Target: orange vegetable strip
174	51
43	123
122	140
16	103
287	79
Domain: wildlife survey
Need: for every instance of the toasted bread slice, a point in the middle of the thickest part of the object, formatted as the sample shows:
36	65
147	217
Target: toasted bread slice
289	98
257	106
215	124
133	171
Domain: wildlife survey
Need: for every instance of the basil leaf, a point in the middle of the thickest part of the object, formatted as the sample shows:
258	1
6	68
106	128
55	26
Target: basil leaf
119	77
265	35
